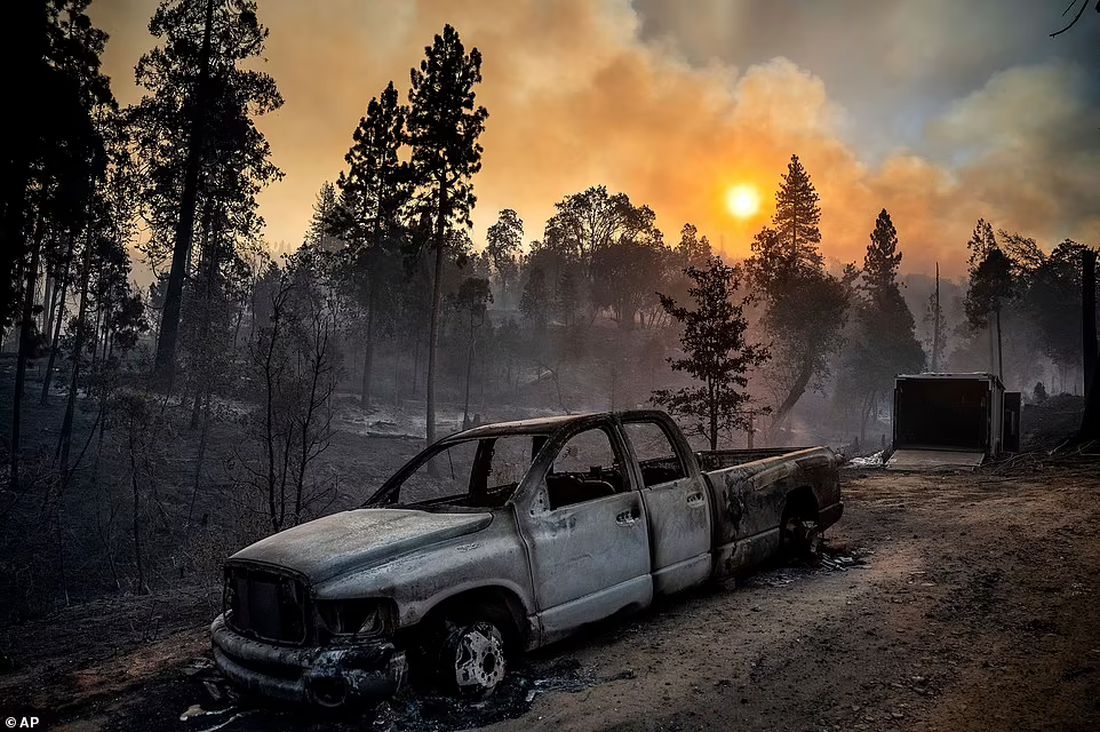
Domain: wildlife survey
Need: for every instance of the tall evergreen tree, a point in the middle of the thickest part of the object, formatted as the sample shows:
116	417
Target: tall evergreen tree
503	241
444	126
884	344
53	159
322	225
197	133
805	306
797	215
717	353
373	194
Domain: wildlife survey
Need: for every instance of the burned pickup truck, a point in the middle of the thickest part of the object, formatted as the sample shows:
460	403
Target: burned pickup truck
501	539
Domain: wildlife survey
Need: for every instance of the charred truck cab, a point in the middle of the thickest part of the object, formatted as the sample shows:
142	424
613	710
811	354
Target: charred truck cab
505	538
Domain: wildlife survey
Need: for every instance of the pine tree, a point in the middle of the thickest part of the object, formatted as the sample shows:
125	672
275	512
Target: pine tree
373	194
53	158
503	241
880	264
322	225
884	343
444	126
717	353
805	306
200	147
797	215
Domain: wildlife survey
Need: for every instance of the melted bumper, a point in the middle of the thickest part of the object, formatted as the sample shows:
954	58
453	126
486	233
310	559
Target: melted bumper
331	676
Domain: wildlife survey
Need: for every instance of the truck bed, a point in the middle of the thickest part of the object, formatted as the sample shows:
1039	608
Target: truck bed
750	490
718	459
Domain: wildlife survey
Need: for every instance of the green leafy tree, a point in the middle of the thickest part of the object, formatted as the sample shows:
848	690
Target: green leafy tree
444	126
716	353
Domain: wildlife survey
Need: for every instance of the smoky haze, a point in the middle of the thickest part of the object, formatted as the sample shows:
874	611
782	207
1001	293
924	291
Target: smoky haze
752	215
938	112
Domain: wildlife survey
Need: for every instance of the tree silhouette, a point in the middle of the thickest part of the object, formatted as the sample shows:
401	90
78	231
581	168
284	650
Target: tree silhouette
805	306
797	216
716	352
198	136
884	344
444	126
53	160
322	225
992	284
472	299
373	194
503	241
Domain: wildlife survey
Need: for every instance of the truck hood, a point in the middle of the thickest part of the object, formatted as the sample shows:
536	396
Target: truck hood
342	542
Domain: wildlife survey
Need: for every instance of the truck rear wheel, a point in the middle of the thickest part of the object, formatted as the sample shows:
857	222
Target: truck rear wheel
802	539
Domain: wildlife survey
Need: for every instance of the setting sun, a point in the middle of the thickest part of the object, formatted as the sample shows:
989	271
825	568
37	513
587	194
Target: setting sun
743	201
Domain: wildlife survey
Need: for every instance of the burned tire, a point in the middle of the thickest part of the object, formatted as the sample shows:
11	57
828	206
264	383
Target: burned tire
473	660
801	539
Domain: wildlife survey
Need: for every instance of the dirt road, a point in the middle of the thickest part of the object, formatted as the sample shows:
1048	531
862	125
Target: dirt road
972	605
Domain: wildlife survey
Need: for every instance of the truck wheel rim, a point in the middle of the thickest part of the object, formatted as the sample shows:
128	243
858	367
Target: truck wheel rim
479	659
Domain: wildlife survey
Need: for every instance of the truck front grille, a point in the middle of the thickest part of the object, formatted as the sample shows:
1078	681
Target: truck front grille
266	605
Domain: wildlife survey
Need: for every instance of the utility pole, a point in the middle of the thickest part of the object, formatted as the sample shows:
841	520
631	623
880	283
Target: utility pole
936	324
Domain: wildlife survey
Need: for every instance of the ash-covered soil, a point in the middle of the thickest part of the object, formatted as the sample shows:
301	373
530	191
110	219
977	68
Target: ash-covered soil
949	602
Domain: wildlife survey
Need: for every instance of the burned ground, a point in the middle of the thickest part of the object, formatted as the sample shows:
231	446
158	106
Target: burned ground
962	601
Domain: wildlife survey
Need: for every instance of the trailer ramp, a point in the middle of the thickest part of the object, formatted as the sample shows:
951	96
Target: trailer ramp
933	460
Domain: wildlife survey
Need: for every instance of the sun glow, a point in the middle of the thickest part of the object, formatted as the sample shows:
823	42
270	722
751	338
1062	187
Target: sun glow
743	201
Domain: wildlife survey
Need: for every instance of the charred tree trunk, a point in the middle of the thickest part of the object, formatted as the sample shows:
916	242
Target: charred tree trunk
164	367
437	298
796	392
868	405
25	347
1000	353
368	350
1090	420
469	368
199	459
136	526
56	322
712	404
65	439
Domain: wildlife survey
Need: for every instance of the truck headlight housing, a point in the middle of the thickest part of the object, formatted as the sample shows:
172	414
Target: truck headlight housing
363	618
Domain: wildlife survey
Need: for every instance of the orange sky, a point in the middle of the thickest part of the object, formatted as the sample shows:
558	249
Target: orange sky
582	93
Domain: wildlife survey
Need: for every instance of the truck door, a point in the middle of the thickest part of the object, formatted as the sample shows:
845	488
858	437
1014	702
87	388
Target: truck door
586	531
676	505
